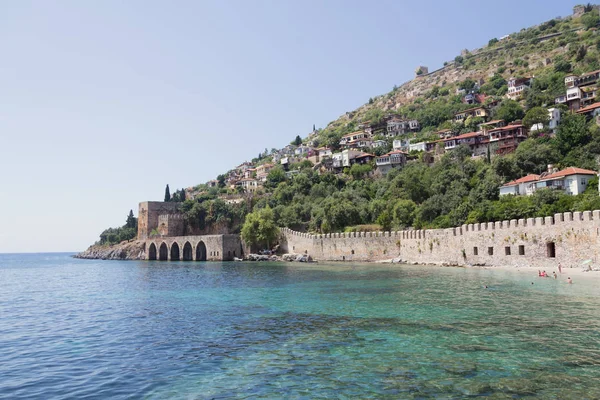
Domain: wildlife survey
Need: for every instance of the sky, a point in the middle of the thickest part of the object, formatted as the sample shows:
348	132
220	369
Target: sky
104	103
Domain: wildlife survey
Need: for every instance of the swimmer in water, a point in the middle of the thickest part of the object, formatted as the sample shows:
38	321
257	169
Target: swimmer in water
569	280
555	276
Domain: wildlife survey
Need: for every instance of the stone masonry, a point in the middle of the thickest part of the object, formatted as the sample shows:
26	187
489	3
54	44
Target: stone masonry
569	239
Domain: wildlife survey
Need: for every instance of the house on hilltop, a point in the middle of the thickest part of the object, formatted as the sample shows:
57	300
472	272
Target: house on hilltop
571	181
517	87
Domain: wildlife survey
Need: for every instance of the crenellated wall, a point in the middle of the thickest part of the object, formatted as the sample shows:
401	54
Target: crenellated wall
571	237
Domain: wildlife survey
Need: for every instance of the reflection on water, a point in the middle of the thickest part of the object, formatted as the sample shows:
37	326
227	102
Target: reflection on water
73	328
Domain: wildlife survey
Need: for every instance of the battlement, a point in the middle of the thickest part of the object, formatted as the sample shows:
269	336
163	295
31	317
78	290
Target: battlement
565	237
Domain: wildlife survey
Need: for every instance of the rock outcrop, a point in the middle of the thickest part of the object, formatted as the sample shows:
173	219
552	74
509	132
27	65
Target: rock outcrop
133	250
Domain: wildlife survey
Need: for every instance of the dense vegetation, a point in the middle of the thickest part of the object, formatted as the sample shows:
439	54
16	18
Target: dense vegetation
454	190
117	235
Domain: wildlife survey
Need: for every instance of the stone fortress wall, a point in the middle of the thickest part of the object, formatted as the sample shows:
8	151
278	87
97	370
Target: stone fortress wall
170	243
568	238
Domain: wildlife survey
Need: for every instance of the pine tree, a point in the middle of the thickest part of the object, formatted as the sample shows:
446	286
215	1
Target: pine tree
130	220
314	128
167	193
182	195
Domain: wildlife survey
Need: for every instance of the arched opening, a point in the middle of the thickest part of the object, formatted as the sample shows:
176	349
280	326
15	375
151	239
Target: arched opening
174	252
152	252
200	251
163	252
187	252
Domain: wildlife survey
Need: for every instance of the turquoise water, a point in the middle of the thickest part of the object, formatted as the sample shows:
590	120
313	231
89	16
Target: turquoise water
107	329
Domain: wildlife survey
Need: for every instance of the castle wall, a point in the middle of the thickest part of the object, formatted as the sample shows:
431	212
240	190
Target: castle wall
525	242
148	213
216	247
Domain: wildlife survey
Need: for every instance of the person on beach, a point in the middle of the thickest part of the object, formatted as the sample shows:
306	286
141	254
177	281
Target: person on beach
544	274
559	268
569	280
554	273
539	273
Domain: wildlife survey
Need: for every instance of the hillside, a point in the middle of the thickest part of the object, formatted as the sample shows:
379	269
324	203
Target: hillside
459	134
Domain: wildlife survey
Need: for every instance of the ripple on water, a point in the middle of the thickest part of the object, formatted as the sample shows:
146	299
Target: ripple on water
76	328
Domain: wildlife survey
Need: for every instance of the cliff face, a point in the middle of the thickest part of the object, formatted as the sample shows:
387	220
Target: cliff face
122	251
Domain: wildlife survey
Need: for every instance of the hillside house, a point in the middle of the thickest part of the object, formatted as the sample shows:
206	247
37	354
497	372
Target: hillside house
379	143
388	161
591	111
262	171
506	139
524	186
363	158
249	184
358	144
401	144
471	112
302	150
445	133
517	87
352	137
487	126
572	180
323	152
421	146
554	120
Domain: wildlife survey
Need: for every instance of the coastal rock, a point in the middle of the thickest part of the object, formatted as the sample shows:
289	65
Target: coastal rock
133	250
297	257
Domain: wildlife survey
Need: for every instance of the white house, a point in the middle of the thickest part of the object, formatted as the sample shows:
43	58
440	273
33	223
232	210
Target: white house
421	146
393	159
522	186
401	144
324	152
571	180
302	150
379	143
554	115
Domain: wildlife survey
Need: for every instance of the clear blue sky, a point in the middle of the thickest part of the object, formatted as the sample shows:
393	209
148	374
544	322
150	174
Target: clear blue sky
103	103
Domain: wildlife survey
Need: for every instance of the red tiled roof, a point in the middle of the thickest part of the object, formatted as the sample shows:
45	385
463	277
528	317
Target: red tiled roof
466	135
394	152
525	179
569	171
353	133
506	128
492	122
470	109
588	108
365	155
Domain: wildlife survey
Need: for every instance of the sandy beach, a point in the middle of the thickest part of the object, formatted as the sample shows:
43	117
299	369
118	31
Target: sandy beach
530	273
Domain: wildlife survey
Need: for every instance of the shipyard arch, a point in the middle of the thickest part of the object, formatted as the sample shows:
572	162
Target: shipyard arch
200	251
187	252
175	252
163	253
152	252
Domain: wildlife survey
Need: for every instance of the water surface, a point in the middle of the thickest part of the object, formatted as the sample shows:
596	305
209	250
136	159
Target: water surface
107	329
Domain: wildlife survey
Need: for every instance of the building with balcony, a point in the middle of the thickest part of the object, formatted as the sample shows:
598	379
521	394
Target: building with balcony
570	180
524	186
388	161
517	87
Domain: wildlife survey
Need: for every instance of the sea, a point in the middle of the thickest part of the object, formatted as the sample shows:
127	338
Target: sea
87	329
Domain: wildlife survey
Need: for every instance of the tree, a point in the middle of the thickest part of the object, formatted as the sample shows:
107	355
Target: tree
297	141
535	117
562	65
467	84
221	181
275	177
182	195
590	19
259	228
167	194
314	128
492	42
509	111
572	132
371	100
131	220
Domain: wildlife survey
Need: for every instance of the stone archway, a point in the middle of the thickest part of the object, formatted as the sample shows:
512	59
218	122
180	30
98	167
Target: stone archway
175	251
200	251
187	252
163	252
152	252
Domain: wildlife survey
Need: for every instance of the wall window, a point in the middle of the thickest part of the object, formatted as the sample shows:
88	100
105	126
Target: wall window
521	250
490	251
475	250
583	181
507	250
550	250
